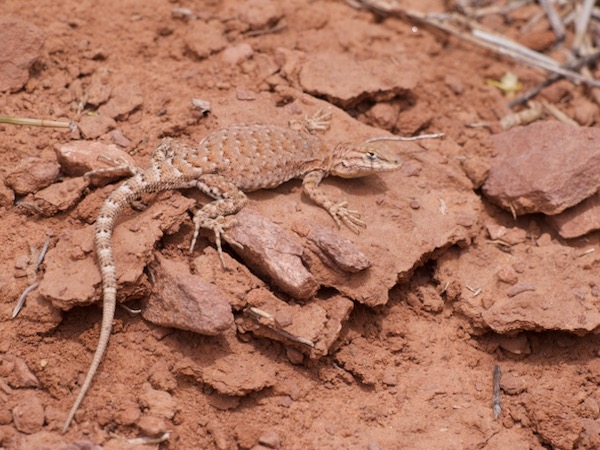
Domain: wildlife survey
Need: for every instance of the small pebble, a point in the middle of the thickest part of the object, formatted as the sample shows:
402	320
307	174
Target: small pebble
270	440
152	425
28	415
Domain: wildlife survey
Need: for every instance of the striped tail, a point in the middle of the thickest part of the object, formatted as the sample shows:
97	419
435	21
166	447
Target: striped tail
109	212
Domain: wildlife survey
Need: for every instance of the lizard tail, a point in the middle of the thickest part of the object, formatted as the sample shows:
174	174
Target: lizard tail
109	212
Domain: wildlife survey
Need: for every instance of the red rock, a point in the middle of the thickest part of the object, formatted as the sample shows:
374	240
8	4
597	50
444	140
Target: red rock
517	345
60	196
76	158
270	439
544	167
185	302
579	219
377	80
338	251
319	321
32	174
23	376
237	280
586	112
383	115
273	252
21	46
562	300
238	370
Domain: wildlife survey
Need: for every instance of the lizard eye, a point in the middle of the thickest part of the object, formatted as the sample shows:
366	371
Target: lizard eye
372	156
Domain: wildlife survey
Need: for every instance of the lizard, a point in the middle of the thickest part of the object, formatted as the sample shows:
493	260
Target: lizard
225	165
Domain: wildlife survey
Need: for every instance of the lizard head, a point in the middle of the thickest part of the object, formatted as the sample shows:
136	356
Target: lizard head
353	161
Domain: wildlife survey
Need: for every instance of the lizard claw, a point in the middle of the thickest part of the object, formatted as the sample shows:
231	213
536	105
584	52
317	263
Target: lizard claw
350	217
219	227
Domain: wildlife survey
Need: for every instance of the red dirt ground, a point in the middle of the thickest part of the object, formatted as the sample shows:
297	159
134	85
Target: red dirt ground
413	373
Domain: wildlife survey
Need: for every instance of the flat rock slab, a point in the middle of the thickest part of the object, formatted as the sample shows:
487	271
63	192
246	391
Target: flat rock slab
32	174
76	158
545	285
21	46
411	215
346	81
60	196
544	167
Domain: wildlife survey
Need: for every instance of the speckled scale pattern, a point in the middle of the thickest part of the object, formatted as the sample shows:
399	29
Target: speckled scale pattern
258	156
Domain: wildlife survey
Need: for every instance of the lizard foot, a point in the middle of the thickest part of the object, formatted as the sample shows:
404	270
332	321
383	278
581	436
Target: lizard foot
319	121
349	217
219	227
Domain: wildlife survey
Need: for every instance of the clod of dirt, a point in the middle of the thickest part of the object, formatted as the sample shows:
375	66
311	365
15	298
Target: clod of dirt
22	376
7	196
270	439
99	90
544	167
185	302
21	45
94	126
273	252
578	220
202	39
237	53
152	426
76	158
159	404
28	414
337	251
32	174
123	101
60	196
375	80
260	14
39	314
232	368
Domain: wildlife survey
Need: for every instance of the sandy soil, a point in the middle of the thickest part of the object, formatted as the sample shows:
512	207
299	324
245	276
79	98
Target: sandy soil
410	367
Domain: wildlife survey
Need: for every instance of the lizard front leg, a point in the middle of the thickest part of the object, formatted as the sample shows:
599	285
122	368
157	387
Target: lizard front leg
339	211
213	216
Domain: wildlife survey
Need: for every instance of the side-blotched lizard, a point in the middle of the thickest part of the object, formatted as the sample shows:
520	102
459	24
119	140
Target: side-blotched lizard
224	165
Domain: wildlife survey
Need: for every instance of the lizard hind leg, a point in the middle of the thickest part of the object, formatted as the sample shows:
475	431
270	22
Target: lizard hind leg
215	215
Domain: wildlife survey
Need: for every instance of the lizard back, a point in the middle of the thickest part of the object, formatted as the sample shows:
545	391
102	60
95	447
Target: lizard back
258	156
